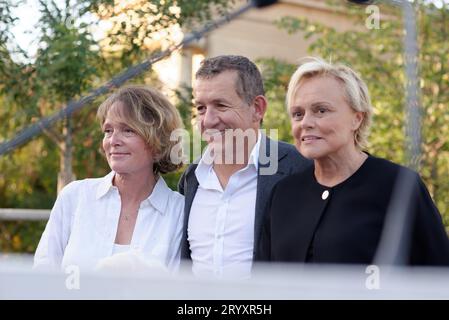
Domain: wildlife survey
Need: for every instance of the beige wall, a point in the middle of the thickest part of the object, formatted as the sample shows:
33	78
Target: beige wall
254	34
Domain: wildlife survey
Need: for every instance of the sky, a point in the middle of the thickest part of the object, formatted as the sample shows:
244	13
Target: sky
24	30
28	15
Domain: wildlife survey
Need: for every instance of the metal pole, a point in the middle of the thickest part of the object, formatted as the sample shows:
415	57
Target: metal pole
413	125
395	239
394	245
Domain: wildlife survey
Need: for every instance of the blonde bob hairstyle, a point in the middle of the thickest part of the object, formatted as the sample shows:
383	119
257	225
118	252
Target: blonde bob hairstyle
151	115
355	90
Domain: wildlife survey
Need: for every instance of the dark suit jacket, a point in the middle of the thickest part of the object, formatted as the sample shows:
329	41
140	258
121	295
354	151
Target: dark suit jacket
289	161
346	226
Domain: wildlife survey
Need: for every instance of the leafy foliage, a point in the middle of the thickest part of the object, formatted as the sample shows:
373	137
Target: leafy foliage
71	59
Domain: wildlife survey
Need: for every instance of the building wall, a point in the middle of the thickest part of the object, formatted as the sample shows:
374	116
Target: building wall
255	35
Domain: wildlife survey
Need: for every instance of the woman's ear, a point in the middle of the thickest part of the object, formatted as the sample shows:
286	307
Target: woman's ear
357	120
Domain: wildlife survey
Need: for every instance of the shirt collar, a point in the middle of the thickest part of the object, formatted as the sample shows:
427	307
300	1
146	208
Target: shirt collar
204	170
158	198
254	156
105	185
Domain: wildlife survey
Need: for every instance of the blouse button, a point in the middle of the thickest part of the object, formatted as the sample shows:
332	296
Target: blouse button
325	195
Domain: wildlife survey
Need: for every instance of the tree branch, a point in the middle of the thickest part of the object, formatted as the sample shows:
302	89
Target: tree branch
53	135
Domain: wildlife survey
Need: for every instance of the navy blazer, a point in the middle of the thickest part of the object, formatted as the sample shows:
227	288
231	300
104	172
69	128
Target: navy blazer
307	222
289	161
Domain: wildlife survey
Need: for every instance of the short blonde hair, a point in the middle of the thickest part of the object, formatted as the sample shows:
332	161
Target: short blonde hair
356	91
152	116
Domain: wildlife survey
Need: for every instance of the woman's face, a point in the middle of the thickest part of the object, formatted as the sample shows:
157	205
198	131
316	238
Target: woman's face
323	123
126	151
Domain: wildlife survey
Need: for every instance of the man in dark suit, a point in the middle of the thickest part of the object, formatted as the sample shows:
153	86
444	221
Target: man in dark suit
226	192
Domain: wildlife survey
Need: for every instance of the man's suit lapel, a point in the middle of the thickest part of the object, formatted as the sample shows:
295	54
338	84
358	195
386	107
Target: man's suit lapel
265	183
191	186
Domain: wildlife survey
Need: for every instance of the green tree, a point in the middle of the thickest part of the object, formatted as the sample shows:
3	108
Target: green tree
70	61
276	75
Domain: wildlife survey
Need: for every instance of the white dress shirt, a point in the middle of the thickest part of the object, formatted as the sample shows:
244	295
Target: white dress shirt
83	225
221	222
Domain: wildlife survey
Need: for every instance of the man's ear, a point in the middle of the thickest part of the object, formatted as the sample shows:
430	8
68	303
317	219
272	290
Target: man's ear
260	107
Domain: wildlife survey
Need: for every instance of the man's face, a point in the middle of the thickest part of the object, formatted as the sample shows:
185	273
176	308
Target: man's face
226	121
220	108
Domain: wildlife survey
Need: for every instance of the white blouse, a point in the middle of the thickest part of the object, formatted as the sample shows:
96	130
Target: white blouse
120	248
83	224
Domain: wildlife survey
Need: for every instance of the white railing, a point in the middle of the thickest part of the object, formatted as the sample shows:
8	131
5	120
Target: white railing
274	281
24	214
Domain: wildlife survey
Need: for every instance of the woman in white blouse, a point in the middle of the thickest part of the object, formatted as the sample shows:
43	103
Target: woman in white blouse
131	209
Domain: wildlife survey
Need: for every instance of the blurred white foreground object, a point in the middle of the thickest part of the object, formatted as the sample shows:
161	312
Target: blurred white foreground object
273	281
130	262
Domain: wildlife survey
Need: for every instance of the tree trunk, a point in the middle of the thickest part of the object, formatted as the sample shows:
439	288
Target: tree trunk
65	175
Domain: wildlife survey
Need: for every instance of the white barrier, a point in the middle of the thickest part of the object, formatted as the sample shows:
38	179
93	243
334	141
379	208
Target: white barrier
24	214
269	282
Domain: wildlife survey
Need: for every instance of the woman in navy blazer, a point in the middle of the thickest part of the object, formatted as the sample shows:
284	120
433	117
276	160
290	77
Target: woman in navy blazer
334	212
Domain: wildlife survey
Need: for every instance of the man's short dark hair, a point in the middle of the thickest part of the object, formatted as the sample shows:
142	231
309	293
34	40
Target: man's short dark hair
249	82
